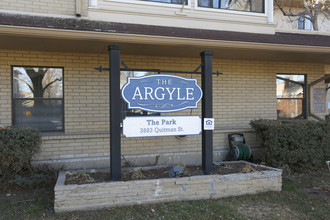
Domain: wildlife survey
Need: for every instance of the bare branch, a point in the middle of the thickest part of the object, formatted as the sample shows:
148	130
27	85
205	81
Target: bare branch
309	10
304	3
32	90
44	89
281	7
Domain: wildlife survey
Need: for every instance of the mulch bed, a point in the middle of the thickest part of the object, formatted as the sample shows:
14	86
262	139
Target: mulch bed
144	174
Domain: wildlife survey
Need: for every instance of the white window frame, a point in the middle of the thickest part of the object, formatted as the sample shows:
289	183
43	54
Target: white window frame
161	4
268	8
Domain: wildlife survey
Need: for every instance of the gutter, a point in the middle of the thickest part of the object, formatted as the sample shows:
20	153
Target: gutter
114	36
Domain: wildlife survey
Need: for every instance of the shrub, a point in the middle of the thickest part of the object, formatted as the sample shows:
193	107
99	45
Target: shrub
43	176
17	147
301	144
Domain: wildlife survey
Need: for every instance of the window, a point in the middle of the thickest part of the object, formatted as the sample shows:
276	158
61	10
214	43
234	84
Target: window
291	100
238	5
133	112
304	24
327	87
38	101
181	2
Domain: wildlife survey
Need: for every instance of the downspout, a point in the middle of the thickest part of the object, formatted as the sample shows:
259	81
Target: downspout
269	11
78	8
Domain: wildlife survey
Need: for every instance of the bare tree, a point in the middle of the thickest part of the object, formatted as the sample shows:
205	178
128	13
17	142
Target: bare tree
37	77
39	81
306	9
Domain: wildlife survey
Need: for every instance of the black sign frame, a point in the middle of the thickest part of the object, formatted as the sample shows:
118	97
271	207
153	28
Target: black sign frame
115	119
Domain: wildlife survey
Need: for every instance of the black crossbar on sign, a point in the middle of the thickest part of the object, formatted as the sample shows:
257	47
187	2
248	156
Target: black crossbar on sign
100	69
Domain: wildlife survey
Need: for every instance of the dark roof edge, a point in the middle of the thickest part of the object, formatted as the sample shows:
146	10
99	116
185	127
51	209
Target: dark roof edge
79	24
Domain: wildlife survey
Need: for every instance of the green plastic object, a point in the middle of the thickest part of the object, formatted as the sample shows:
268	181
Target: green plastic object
242	151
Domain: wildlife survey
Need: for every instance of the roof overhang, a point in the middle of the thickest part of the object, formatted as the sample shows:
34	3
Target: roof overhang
70	35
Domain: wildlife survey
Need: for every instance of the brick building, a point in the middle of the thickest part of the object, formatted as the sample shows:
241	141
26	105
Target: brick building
49	49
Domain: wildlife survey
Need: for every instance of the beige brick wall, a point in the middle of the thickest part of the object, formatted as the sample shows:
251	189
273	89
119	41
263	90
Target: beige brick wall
246	91
60	7
5	90
80	81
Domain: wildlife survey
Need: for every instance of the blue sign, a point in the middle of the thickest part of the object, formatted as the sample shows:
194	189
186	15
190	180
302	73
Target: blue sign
161	93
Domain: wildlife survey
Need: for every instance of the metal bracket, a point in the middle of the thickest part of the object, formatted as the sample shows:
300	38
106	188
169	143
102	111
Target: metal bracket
122	62
100	69
200	66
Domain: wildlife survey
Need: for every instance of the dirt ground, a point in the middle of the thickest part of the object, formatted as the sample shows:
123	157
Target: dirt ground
142	174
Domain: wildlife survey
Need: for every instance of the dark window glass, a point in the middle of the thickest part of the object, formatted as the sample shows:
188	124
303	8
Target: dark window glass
206	3
45	115
170	1
301	23
38	98
133	112
238	5
290	92
304	24
289	108
290	86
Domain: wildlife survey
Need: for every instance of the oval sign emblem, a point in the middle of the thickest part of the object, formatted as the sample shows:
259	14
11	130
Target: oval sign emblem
161	93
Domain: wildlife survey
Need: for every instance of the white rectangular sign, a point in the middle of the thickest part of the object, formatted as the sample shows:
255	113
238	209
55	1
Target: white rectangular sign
161	126
208	123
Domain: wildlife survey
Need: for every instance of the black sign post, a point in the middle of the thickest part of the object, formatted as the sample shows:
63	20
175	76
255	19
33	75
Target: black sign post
207	135
114	90
115	107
